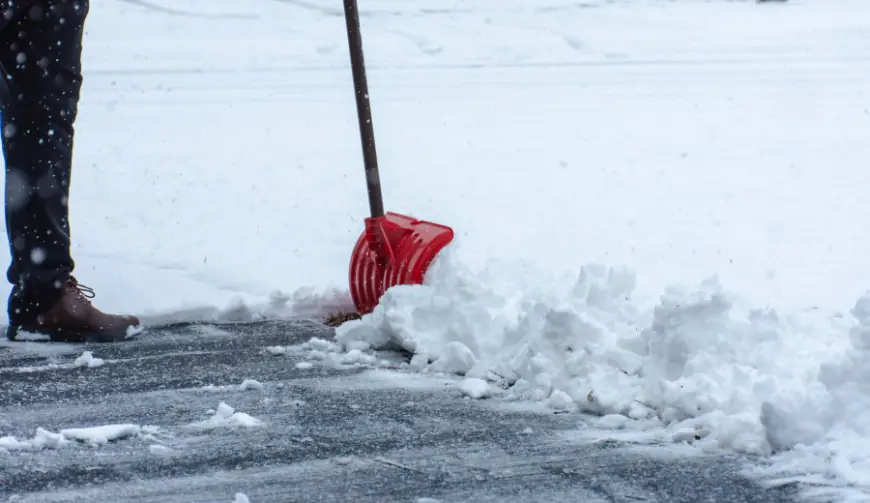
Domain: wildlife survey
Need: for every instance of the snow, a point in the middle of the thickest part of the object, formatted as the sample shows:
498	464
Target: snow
102	435
475	388
87	359
699	361
251	384
93	436
659	206
226	417
246	385
43	439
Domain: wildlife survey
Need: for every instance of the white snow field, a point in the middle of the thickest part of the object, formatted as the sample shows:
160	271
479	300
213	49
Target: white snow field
661	207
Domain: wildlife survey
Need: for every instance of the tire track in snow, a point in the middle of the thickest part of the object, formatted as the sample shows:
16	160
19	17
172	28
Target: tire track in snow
473	65
178	12
326	11
424	44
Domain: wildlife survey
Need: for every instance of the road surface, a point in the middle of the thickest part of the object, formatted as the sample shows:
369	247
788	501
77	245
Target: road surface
326	433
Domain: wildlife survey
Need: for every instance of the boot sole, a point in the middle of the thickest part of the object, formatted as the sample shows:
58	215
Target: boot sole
69	336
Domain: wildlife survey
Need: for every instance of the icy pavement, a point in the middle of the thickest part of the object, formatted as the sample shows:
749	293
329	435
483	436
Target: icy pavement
204	415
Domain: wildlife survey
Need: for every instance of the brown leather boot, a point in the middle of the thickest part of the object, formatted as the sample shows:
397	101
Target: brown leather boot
74	319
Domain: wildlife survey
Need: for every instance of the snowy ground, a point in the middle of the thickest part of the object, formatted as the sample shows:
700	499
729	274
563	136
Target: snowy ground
218	159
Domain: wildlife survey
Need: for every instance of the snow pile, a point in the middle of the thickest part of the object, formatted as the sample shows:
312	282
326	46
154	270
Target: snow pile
834	433
227	417
698	366
93	436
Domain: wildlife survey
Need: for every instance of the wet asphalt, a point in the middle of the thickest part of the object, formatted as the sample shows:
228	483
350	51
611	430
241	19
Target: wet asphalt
328	433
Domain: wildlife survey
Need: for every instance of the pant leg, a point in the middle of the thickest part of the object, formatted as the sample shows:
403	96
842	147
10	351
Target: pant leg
40	54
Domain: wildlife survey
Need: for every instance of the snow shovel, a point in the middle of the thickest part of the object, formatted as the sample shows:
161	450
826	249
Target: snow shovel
393	249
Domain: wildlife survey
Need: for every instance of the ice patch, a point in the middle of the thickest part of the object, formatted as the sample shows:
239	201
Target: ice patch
160	450
699	365
241	498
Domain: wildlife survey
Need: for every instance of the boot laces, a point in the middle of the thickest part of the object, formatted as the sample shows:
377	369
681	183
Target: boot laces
83	291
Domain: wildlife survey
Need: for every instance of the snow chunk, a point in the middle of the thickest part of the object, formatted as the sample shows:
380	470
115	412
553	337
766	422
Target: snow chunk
251	384
101	435
93	435
247	384
241	498
226	417
276	350
473	387
88	360
43	439
456	359
355	356
322	345
559	400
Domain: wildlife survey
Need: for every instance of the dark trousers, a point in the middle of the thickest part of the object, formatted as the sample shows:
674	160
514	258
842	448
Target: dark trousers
40	55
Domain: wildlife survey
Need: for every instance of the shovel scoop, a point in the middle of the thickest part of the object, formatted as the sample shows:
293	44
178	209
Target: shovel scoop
393	249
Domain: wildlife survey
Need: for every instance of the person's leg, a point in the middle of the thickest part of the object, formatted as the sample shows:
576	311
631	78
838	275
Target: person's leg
41	59
40	54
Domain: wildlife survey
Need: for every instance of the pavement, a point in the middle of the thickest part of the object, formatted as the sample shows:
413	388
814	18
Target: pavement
302	433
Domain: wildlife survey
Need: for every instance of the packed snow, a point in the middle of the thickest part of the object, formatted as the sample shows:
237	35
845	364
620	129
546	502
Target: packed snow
660	206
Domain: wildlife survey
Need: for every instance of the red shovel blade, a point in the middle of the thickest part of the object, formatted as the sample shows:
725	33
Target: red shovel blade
392	250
